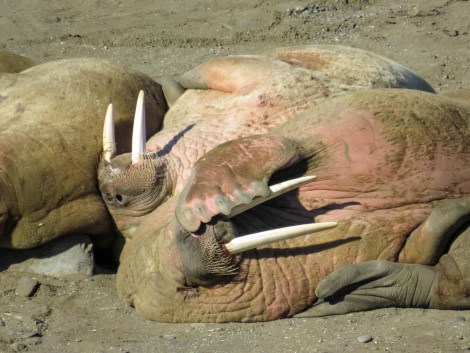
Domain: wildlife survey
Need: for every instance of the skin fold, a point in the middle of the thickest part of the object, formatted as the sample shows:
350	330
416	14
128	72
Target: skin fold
51	141
391	165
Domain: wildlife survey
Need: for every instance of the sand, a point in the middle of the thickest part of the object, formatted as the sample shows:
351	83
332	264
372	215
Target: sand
166	38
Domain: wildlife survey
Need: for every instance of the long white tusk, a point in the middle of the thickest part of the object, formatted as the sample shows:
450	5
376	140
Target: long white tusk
109	139
276	190
255	240
138	133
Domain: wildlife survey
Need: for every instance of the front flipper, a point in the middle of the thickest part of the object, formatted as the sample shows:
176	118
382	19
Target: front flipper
372	285
232	174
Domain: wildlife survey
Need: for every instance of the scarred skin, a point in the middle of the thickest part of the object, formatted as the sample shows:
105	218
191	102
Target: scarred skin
391	165
51	141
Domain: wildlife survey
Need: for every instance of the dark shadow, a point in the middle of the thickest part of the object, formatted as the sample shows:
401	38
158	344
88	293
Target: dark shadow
167	148
286	210
9	257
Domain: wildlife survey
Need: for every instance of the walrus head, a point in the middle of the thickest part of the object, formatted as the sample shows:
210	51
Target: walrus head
131	184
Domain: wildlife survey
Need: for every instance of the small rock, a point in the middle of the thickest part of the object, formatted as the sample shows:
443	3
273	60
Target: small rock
216	329
32	341
26	286
169	337
365	338
29	334
459	319
414	12
69	255
4	334
171	340
19	347
433	333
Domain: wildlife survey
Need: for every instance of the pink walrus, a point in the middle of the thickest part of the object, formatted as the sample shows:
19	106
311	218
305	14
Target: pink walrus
385	222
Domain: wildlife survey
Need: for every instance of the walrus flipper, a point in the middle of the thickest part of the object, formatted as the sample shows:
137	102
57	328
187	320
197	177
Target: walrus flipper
373	285
379	283
231	174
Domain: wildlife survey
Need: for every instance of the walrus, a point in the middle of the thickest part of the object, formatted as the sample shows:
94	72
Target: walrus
385	199
51	142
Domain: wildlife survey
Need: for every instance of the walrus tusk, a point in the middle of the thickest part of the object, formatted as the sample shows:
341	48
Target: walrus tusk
255	240
276	190
139	133
109	139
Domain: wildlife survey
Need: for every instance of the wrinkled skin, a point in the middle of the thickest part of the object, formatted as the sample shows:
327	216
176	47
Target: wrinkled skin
392	168
51	141
233	97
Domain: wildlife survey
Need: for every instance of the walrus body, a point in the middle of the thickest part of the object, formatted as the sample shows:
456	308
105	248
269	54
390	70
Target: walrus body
392	169
381	191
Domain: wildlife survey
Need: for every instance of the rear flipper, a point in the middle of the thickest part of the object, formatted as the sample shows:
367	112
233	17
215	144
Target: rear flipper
372	285
172	90
379	284
242	73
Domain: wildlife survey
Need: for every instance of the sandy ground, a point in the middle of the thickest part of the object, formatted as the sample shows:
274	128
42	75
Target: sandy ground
163	37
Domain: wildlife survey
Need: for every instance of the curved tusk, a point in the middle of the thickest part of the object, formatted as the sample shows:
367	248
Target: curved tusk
276	190
255	240
139	133
109	139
